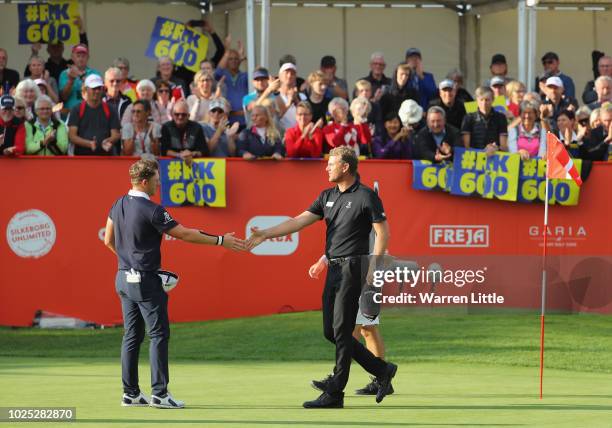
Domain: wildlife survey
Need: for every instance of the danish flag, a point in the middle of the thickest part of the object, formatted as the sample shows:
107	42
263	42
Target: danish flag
560	165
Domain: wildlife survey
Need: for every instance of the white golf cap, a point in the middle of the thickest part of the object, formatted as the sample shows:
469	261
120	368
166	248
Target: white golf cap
497	81
446	84
554	81
287	66
93	81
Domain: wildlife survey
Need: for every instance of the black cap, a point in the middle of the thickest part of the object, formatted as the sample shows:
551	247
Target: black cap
498	59
550	56
7	102
413	51
328	61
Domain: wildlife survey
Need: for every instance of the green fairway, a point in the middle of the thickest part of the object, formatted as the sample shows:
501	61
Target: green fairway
454	370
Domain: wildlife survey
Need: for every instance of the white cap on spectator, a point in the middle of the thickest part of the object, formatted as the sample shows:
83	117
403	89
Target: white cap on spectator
410	112
554	81
287	66
497	81
217	103
40	82
446	84
93	81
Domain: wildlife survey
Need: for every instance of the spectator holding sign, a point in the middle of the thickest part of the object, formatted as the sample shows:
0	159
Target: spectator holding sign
486	128
8	78
93	126
72	79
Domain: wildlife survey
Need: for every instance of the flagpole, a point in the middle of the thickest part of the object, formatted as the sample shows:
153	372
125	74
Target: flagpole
543	309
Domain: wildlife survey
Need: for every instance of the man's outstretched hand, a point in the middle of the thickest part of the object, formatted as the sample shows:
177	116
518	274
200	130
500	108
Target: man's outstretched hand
255	239
232	243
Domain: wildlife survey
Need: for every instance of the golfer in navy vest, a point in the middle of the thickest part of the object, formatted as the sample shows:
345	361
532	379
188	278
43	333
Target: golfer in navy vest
134	231
350	210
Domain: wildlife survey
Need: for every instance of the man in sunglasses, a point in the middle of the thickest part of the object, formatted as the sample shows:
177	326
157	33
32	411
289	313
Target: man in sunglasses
550	62
114	98
181	137
12	130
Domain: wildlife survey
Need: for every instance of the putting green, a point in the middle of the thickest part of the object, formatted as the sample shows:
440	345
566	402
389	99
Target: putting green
243	394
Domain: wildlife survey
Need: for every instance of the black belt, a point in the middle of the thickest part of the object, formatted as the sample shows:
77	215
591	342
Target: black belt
338	260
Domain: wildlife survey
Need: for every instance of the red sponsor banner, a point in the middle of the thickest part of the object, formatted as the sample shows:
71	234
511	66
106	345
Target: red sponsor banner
54	211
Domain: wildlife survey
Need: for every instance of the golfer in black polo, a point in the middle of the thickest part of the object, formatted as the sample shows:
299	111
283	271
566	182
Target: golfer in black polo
134	232
350	211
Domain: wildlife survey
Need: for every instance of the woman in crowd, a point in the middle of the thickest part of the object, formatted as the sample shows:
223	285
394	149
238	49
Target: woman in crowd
145	89
200	98
304	140
262	139
395	141
45	135
41	77
515	91
594	119
566	132
28	91
527	138
164	100
141	136
341	132
221	139
21	110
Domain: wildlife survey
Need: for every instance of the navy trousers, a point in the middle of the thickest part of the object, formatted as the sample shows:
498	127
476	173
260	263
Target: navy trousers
144	303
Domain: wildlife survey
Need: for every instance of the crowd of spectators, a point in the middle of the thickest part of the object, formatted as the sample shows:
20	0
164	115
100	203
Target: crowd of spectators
65	107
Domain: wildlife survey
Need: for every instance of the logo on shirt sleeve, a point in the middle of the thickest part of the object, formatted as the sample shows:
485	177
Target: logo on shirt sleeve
329	204
167	218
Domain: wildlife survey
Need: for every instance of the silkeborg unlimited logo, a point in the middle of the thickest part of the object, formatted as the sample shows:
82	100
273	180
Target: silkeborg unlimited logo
31	233
459	235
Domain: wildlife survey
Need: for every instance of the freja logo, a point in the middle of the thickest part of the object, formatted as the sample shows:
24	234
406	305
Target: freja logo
281	246
459	235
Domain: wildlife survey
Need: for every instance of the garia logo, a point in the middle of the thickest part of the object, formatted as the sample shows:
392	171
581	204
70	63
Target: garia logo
459	235
281	246
558	235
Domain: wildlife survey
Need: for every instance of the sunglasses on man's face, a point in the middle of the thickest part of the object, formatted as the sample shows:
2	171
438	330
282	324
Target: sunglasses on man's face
181	114
19	108
548	62
217	110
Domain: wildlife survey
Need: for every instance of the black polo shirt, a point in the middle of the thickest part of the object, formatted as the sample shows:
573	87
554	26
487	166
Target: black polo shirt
484	129
139	224
349	216
454	114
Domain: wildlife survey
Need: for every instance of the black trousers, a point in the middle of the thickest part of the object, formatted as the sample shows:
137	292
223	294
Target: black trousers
340	306
144	303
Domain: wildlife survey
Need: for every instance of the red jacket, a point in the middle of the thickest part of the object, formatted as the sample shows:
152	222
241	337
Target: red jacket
347	135
298	147
14	135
